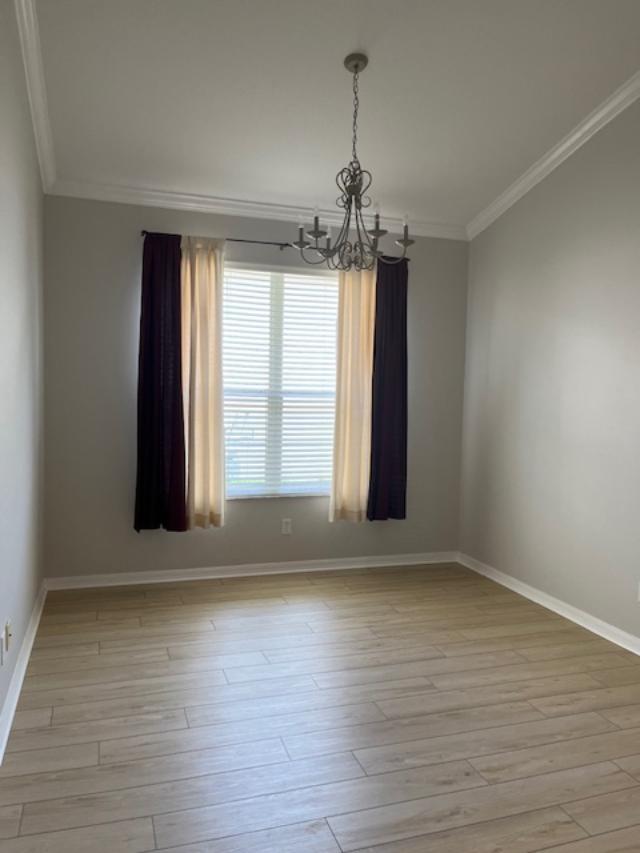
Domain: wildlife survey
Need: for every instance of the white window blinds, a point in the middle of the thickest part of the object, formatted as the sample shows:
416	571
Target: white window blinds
279	363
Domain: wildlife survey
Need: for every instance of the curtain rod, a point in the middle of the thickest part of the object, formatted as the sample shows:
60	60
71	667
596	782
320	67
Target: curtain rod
281	246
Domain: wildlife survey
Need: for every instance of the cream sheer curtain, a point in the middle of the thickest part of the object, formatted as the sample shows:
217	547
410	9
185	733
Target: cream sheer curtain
201	285
352	441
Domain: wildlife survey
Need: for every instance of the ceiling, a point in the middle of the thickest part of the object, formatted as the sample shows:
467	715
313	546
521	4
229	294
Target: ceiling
248	100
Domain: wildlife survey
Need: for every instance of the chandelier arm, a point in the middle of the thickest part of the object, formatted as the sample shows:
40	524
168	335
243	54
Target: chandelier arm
358	232
344	228
368	248
367	237
343	234
321	260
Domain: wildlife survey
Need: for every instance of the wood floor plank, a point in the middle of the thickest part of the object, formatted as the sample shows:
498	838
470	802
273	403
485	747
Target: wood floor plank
311	837
171	699
286	779
532	761
368	660
326	647
138	773
619	677
623	841
425	668
631	763
246	643
626	716
414	728
434	701
526	671
96	730
35	719
117	689
525	833
547	642
61	651
607	812
132	836
104	675
49	759
511	630
422	816
468	745
587	646
49	666
265	706
588	700
9	821
311	803
239	731
70	631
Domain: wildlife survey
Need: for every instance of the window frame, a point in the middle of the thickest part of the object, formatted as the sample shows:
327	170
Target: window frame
281	269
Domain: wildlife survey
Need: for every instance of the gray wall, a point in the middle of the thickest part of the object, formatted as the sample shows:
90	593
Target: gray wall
551	450
93	257
20	346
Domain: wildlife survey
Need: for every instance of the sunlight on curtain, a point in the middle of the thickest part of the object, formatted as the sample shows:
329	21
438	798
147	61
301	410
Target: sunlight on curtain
202	282
352	442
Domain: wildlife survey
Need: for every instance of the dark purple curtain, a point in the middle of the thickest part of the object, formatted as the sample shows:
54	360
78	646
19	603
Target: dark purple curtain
388	481
160	485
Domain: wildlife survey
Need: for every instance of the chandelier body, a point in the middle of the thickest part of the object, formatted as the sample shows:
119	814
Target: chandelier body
356	246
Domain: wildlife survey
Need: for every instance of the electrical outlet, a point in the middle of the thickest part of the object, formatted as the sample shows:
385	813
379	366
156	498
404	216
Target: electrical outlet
287	527
8	635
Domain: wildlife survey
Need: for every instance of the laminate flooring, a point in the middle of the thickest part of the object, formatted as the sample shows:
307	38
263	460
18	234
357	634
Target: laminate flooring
398	710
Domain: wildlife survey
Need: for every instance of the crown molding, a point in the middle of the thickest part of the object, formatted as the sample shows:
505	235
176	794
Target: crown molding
234	207
36	89
616	103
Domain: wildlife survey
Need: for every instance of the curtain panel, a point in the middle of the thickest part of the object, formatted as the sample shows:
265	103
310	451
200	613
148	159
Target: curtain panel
370	445
352	437
160	479
388	481
202	283
180	468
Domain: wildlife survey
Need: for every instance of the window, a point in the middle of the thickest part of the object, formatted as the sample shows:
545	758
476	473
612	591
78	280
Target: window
279	362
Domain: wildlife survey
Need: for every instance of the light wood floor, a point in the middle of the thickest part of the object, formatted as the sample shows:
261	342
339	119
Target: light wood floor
392	711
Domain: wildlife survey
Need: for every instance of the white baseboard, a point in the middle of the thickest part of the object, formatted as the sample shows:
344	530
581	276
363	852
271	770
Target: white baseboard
580	617
246	569
15	685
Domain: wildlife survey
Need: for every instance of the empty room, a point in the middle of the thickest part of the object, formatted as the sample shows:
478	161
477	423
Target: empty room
320	426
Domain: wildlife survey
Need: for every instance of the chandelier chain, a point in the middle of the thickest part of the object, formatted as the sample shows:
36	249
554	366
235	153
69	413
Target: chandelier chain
356	106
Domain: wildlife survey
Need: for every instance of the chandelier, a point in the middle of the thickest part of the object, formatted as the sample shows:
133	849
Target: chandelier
356	246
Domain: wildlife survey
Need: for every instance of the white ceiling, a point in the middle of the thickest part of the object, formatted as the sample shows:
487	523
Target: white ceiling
248	99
